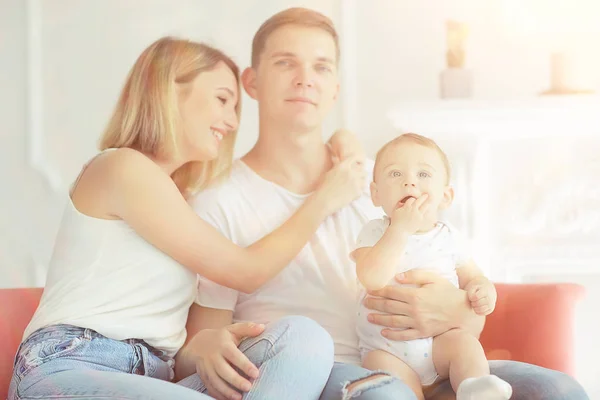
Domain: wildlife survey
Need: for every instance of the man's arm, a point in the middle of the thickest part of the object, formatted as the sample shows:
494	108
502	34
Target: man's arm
435	307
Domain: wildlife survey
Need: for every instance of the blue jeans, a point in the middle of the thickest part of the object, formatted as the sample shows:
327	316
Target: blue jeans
64	361
529	382
294	356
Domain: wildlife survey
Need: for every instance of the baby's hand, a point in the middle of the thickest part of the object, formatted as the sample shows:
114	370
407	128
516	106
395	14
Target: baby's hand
482	295
344	144
409	216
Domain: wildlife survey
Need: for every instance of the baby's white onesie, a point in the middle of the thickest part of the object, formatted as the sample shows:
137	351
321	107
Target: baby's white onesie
439	250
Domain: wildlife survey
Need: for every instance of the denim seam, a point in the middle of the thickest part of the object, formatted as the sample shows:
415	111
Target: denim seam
268	354
272	339
22	374
147	359
135	359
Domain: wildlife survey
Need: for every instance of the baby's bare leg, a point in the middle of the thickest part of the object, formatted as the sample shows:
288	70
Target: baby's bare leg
459	356
382	360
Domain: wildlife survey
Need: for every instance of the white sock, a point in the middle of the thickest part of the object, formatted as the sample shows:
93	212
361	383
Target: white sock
488	387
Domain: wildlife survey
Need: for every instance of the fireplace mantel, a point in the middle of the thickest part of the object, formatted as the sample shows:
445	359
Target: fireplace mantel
527	179
542	116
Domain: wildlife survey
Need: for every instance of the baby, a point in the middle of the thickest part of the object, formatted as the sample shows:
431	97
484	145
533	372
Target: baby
411	183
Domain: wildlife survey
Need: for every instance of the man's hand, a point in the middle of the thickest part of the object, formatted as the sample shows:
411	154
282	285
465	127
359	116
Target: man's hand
343	145
482	295
217	351
418	312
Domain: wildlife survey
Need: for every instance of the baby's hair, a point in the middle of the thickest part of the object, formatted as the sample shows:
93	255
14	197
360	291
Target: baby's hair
418	139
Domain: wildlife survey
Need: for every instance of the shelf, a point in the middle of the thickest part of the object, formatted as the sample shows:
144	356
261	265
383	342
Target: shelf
502	120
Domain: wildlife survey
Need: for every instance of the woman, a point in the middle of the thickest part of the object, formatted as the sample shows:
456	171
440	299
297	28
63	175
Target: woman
122	275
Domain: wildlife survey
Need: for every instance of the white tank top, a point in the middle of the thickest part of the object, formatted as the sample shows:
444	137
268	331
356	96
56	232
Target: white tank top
104	276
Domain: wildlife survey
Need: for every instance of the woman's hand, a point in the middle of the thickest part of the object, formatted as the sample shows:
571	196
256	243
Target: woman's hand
342	184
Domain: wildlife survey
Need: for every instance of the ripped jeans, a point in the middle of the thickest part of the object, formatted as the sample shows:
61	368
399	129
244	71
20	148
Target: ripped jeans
529	382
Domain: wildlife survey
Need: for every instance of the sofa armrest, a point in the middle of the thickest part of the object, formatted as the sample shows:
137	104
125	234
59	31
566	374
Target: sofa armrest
534	323
16	309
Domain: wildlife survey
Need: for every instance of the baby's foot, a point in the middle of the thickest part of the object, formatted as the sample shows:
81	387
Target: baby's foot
488	387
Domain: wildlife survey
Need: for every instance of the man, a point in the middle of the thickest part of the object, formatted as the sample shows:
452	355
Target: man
294	78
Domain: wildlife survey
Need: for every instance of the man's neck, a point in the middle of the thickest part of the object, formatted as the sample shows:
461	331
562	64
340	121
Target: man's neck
295	161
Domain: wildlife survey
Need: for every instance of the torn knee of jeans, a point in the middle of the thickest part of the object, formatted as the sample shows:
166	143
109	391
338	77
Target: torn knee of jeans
372	381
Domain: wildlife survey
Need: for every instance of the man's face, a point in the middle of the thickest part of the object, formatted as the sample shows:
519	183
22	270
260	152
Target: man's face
296	81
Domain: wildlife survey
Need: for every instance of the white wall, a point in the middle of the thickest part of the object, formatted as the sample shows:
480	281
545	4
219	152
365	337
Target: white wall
63	63
23	222
401	47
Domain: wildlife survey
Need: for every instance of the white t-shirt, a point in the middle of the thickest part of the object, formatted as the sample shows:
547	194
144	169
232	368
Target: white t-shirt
319	283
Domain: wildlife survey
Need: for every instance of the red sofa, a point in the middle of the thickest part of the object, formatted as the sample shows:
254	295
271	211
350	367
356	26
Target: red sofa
532	323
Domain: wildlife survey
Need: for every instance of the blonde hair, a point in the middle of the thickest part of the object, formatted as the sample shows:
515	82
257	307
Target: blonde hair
418	139
292	16
146	115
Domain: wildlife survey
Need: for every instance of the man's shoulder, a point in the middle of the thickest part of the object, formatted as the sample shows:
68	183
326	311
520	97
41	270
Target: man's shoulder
226	190
240	186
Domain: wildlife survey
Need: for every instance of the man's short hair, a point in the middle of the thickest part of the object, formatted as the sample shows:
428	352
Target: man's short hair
303	17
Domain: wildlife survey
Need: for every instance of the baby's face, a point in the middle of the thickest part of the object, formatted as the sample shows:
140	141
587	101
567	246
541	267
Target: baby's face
408	170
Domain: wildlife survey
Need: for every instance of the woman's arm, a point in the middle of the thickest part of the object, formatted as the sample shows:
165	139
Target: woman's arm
147	199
